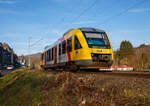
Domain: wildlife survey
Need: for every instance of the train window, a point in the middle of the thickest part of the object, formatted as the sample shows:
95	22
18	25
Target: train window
52	53
69	44
97	40
63	47
47	55
77	43
60	49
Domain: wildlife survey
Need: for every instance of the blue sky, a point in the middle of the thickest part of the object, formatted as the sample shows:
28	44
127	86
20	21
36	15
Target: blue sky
49	19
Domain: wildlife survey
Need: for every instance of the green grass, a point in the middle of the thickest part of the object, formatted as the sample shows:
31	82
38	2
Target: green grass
21	87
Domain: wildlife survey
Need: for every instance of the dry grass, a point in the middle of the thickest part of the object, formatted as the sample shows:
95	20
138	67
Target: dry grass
73	89
90	90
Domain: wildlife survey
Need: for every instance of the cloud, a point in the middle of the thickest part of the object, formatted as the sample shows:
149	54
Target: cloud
140	10
7	35
7	2
4	11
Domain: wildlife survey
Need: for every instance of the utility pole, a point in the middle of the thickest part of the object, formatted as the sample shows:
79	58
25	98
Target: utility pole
29	59
29	50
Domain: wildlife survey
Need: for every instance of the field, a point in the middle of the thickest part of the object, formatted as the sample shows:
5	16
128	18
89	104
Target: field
31	87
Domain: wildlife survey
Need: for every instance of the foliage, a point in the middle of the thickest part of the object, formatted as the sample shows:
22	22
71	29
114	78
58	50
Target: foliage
142	45
21	87
144	60
138	58
126	51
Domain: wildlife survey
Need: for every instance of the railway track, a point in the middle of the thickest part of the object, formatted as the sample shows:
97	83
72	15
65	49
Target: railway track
118	73
114	73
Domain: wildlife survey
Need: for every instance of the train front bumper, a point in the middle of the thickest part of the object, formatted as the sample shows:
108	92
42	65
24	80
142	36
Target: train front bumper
93	65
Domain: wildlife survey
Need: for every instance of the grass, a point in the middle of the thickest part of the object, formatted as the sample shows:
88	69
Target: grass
24	87
21	87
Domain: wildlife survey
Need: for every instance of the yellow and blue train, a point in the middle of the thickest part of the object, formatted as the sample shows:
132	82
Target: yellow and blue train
80	48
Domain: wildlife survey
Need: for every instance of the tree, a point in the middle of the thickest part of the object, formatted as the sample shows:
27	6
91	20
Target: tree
144	60
124	54
126	49
142	45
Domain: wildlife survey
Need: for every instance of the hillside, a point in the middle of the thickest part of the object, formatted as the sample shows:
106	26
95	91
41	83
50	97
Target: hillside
35	59
140	59
35	88
36	55
145	49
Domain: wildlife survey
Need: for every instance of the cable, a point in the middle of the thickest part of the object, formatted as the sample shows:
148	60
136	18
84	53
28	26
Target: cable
106	8
81	13
85	10
118	14
59	22
33	44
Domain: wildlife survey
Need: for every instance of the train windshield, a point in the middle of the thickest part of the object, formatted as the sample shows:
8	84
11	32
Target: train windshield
97	40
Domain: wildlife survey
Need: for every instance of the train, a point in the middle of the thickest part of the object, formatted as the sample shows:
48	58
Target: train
79	48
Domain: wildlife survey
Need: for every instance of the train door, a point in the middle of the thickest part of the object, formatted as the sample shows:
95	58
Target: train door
42	58
58	54
45	59
77	48
55	55
69	48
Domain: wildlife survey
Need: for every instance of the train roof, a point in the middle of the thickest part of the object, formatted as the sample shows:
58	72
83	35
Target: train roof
67	32
55	43
88	29
91	29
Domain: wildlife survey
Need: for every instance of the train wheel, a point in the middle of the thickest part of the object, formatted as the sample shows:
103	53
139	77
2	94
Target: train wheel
74	68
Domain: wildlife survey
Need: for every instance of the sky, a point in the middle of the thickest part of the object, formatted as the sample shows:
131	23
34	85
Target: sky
45	21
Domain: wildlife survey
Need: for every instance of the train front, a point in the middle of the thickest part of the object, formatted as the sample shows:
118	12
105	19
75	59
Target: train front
100	48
